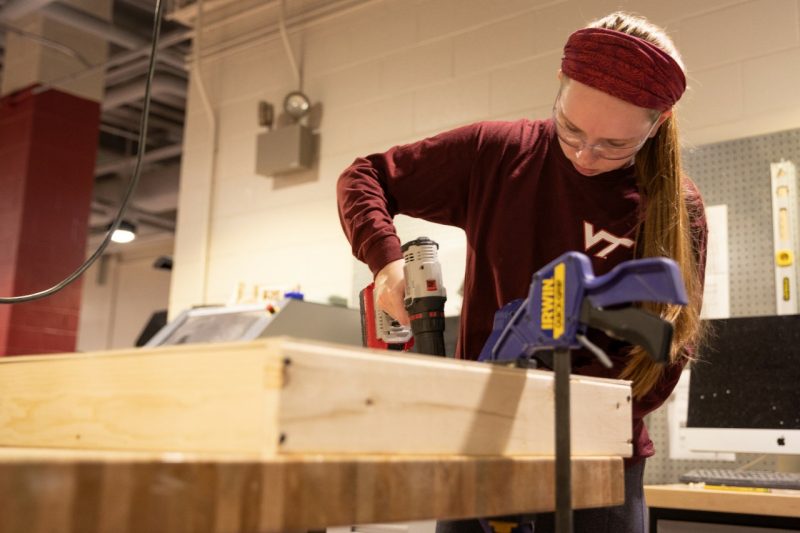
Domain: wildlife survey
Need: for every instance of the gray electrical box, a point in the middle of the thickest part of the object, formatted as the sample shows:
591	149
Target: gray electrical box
284	150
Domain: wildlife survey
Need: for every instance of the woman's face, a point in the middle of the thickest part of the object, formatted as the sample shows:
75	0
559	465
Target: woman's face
593	124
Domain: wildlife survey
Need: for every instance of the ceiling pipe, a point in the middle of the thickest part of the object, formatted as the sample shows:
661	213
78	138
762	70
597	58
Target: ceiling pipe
137	67
173	100
105	127
158	108
15	9
104	207
94	25
131	92
106	30
44	41
124	117
119	59
126	163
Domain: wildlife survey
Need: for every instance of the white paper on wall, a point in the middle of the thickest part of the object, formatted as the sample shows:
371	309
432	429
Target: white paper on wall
716	291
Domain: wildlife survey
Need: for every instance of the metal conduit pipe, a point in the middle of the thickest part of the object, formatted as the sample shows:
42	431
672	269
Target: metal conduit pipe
167	112
119	59
104	29
151	156
123	117
15	9
106	127
163	84
94	25
173	100
135	68
101	206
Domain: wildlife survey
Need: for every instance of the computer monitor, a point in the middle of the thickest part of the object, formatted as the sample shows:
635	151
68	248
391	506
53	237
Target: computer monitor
744	392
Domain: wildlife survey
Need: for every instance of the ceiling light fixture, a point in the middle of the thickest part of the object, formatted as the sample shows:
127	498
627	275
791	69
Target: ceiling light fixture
126	232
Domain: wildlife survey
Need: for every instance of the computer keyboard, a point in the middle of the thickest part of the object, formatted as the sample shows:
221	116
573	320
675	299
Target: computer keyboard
743	478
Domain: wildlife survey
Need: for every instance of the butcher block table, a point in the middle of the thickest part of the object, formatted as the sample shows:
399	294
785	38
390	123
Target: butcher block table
85	491
288	435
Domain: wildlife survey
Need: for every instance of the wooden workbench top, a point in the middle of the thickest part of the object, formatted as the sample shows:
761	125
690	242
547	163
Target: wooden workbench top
696	497
91	491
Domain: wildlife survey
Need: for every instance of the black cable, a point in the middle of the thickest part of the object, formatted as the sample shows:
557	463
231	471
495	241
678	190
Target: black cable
128	192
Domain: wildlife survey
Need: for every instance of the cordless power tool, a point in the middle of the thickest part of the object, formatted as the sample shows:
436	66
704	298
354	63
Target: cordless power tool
425	297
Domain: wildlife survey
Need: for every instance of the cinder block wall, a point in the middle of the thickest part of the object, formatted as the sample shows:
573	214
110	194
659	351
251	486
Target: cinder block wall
397	70
123	290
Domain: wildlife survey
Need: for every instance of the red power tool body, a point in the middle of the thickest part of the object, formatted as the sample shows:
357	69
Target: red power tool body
378	329
424	300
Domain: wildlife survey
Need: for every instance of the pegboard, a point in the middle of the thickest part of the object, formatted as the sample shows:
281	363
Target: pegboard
736	173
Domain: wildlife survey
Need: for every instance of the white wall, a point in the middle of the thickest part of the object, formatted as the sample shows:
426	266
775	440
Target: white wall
398	70
120	292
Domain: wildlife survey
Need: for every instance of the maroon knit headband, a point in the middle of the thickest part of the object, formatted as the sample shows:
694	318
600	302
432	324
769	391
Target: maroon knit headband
624	66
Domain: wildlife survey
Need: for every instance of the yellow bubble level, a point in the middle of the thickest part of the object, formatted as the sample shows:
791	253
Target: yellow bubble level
784	258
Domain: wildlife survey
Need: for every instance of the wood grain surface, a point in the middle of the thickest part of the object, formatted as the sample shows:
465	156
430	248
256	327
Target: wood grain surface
92	492
278	395
695	497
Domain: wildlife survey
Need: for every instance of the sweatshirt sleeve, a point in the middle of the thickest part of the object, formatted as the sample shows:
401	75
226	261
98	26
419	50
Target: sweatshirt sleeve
429	179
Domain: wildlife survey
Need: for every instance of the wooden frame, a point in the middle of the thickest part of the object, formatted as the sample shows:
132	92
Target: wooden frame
279	395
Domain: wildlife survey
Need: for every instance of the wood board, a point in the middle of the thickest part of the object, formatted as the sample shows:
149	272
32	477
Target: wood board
281	395
695	497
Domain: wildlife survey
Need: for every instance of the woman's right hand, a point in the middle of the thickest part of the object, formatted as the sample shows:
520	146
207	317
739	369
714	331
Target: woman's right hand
390	289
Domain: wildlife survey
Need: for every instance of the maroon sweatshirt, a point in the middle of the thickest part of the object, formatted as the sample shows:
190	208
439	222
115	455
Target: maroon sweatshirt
510	187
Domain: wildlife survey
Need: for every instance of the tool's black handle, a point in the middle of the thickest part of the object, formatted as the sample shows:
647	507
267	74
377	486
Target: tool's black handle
427	324
430	343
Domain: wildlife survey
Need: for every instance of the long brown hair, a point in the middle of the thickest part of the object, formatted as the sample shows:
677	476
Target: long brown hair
665	229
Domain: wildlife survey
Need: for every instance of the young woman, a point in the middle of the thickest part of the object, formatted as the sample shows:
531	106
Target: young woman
602	176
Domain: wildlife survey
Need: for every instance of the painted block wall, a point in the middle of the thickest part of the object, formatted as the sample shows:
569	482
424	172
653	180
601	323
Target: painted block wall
394	71
120	292
48	145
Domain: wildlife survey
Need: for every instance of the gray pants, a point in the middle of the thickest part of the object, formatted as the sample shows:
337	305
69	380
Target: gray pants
627	518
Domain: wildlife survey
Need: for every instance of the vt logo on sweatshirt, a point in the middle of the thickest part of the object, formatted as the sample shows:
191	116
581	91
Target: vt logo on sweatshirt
590	238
